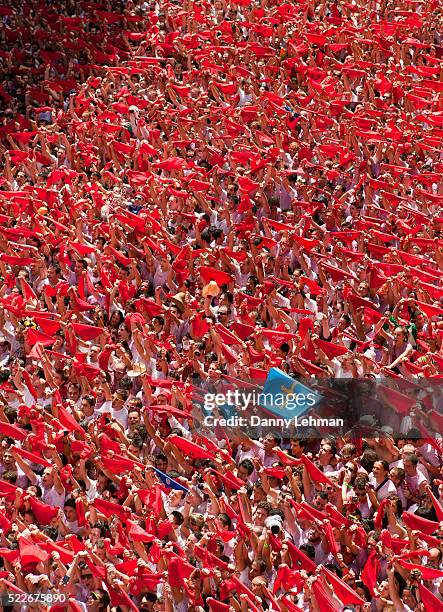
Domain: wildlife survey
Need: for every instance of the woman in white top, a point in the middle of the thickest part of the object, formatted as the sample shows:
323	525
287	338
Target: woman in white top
380	480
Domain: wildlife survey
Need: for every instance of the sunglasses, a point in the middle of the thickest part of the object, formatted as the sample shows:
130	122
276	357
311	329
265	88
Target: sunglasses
95	596
85	576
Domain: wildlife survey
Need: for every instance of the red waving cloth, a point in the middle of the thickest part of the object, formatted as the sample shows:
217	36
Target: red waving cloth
342	590
190	448
313	471
137	534
370	572
13	431
419	524
220	277
42	512
87	332
32	456
217	606
324	603
427	573
399	402
430	601
300	560
68	421
332	544
108	508
331	350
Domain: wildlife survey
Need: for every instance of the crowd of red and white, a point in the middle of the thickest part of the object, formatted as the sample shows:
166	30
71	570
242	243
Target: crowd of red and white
193	193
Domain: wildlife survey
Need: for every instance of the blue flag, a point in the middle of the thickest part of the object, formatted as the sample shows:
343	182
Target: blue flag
285	397
169	482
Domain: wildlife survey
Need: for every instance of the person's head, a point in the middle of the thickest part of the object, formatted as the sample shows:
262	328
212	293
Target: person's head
119	399
360	488
410	462
223	521
434	558
88	405
270	441
70	511
380	470
397	475
258	567
320	500
349	451
326	453
400	335
261	513
245	469
133	418
48	478
86	576
98	600
161	462
298	446
73	392
344	322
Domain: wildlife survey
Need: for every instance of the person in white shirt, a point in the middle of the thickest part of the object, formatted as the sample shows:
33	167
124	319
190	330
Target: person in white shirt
379	479
415	480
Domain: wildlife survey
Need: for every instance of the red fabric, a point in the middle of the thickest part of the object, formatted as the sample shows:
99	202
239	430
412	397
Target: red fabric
430	601
324	602
190	448
370	572
30	552
315	474
33	457
217	606
396	400
342	590
331	350
418	523
137	534
211	274
12	431
69	422
87	332
300	559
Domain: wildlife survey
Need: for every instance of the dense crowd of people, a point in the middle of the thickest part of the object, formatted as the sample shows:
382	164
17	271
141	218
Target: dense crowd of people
193	193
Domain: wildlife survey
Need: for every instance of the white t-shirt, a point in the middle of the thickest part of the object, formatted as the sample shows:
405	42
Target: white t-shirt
51	496
383	492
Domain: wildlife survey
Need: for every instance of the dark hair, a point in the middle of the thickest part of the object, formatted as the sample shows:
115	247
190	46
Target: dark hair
412	458
368	459
248	465
309	550
178	516
384	463
224	519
